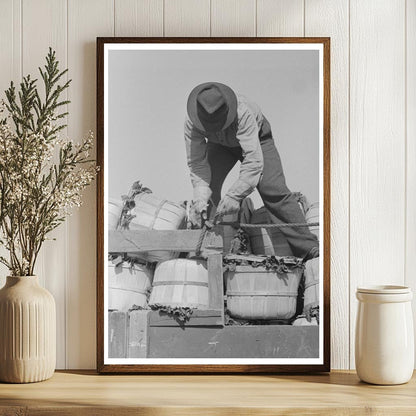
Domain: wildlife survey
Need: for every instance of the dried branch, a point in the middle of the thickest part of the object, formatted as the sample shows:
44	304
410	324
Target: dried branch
42	177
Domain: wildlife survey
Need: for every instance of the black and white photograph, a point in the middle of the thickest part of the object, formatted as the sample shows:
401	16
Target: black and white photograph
212	192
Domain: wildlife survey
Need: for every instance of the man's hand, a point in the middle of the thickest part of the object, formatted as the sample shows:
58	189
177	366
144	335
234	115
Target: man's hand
227	205
199	206
197	212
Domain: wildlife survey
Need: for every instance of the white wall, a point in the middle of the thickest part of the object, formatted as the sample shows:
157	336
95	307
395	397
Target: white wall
373	129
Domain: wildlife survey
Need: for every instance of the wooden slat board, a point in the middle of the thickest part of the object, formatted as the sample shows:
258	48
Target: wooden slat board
280	18
10	66
85	19
233	17
117	334
138	17
269	341
187	18
150	240
10	44
377	147
138	337
330	18
411	150
215	282
36	39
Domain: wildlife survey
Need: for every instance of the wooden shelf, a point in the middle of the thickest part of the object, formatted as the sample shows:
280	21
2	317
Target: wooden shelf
86	393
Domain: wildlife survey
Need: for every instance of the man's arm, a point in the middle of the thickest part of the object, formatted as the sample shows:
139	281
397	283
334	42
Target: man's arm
197	157
252	166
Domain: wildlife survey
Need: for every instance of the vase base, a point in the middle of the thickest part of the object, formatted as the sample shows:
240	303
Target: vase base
26	371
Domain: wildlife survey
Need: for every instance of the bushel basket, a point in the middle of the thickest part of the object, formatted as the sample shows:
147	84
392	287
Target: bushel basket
154	213
255	293
181	283
128	285
311	295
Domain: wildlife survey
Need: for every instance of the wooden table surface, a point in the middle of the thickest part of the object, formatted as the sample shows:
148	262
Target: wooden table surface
86	393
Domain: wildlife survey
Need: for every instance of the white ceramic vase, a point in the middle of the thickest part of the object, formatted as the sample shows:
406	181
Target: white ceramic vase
384	341
27	331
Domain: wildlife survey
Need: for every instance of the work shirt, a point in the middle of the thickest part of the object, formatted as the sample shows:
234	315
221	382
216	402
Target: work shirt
246	132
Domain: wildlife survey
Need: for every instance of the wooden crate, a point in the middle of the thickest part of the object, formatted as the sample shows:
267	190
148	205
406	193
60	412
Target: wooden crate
151	334
265	341
154	334
125	241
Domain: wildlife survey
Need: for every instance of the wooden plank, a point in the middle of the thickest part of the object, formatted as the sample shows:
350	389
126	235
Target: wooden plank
44	25
233	18
150	240
117	334
331	18
265	341
216	282
138	323
377	147
411	150
138	17
280	18
209	317
86	20
10	67
86	393
246	257
10	44
187	18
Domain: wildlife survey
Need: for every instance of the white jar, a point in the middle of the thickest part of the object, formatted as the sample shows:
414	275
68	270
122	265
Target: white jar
384	338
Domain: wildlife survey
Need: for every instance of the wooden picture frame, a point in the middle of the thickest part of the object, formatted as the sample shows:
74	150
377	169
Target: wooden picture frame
186	240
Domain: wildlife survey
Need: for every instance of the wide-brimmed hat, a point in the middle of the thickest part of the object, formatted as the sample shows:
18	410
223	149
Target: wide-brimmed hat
212	106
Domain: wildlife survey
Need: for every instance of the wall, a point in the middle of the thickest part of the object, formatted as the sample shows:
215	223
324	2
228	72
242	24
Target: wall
373	126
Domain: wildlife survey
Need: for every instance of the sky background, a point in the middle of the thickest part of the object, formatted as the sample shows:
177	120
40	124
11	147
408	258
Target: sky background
148	91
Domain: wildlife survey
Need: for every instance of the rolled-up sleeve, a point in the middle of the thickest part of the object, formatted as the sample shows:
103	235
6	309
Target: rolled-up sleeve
252	165
196	153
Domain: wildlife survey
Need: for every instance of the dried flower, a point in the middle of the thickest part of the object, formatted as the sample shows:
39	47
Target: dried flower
42	176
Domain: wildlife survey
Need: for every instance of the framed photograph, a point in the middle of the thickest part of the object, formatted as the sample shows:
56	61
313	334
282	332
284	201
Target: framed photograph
213	205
